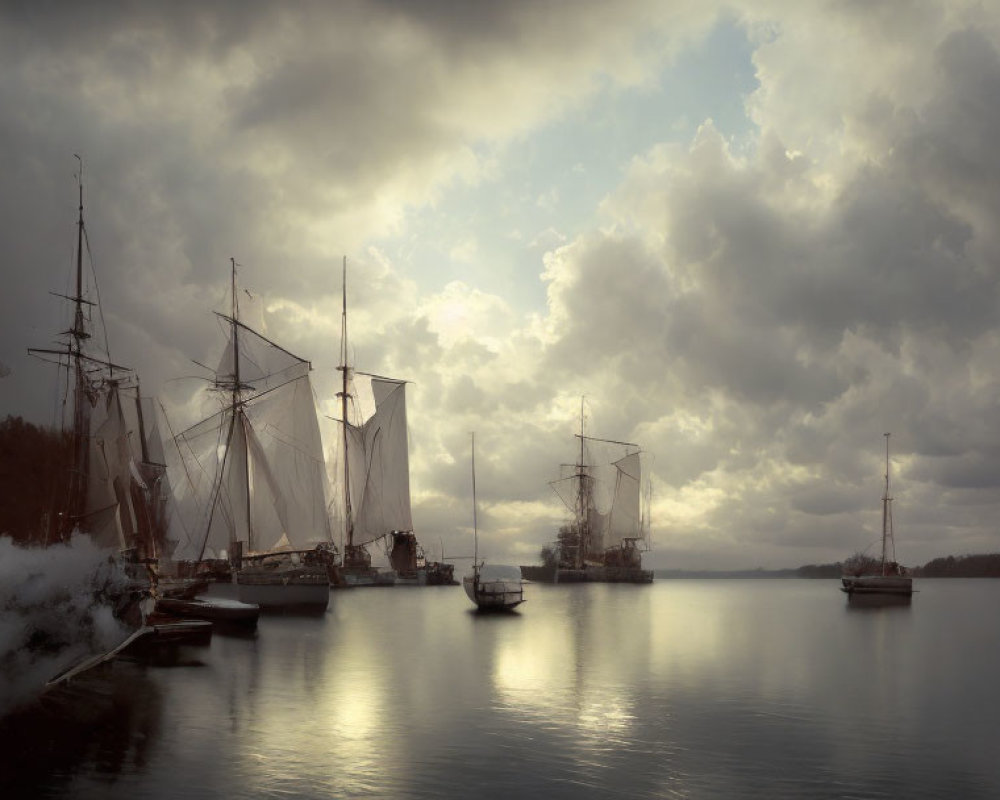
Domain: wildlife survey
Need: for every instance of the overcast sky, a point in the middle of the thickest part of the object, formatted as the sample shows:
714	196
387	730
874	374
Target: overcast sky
755	235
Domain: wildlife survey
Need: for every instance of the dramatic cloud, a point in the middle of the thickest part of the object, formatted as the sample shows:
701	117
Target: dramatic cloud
535	206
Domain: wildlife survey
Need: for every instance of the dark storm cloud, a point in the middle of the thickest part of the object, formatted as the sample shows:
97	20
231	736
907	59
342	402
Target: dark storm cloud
281	136
754	316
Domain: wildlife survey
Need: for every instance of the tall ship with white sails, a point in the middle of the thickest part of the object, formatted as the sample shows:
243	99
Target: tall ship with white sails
604	541
114	484
250	479
374	478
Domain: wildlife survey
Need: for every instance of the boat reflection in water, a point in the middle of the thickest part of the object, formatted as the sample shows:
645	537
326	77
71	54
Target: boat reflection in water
879	600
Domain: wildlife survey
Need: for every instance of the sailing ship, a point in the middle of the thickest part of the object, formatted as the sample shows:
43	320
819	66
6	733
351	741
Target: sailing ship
604	541
254	475
492	587
375	479
113	487
891	580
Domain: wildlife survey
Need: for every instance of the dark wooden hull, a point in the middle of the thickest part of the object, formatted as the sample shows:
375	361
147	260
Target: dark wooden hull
896	585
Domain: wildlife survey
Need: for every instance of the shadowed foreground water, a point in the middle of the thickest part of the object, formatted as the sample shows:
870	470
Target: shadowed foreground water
690	689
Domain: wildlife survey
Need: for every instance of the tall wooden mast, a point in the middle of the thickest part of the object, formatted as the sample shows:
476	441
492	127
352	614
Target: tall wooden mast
239	416
581	499
475	521
886	511
81	418
349	547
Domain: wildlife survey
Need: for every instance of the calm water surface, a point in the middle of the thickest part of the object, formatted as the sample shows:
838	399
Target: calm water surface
688	689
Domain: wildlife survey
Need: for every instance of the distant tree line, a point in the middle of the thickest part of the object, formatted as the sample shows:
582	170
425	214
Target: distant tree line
971	566
974	566
33	477
820	571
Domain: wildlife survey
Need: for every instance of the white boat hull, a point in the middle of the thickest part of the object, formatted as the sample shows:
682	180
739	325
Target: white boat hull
494	594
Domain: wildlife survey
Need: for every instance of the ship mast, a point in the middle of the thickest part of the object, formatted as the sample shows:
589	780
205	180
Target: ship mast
886	510
584	497
236	409
77	361
581	518
475	522
349	549
81	419
238	405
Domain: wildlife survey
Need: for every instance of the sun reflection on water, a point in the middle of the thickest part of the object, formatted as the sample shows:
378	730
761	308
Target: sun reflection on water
553	674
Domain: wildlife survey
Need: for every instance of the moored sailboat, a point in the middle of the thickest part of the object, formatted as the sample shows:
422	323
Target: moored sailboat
492	587
604	541
890	579
255	475
375	478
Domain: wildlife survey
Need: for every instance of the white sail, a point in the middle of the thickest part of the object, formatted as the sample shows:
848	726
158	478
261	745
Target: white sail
568	490
108	515
253	473
193	464
624	519
228	511
288	490
379	465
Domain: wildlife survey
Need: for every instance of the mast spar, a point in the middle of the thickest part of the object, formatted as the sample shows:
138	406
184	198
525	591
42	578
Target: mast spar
348	515
238	407
235	409
581	520
81	419
886	511
475	522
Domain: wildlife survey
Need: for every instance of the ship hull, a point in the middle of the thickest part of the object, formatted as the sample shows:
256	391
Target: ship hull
305	589
349	577
889	585
494	595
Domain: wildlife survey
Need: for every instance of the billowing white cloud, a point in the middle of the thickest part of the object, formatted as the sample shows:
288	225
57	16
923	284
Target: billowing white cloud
755	311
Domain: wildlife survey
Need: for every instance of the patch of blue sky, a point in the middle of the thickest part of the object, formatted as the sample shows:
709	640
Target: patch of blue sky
550	182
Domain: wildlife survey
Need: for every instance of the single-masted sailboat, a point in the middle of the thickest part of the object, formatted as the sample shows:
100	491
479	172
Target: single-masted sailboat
891	579
492	587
